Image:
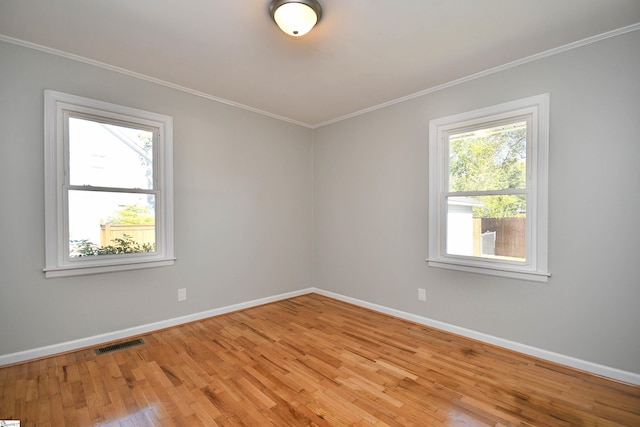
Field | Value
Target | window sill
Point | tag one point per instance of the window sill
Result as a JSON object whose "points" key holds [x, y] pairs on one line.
{"points": [[80, 270], [533, 276]]}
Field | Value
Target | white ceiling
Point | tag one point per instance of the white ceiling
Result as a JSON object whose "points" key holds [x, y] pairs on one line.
{"points": [[362, 54]]}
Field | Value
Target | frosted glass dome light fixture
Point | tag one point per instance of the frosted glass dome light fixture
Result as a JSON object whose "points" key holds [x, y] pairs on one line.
{"points": [[295, 17]]}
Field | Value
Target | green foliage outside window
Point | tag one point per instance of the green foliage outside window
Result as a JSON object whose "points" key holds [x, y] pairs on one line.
{"points": [[132, 214], [121, 245], [492, 162]]}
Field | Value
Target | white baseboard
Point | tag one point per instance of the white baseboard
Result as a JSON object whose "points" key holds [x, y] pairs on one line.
{"points": [[583, 365], [37, 353]]}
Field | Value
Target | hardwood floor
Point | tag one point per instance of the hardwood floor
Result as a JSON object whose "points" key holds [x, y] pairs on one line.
{"points": [[312, 361]]}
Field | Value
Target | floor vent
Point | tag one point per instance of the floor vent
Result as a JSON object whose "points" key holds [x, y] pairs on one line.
{"points": [[119, 346]]}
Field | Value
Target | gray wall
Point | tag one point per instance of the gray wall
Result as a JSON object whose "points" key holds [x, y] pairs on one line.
{"points": [[243, 185], [371, 204]]}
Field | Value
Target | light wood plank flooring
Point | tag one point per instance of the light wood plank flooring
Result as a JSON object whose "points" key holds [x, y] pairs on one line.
{"points": [[306, 361]]}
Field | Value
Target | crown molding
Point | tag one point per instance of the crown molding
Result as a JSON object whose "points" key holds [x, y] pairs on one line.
{"points": [[512, 64]]}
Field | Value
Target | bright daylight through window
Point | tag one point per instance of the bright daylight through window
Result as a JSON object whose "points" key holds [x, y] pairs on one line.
{"points": [[488, 191], [108, 189]]}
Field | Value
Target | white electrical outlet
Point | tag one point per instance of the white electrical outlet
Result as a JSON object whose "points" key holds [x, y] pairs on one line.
{"points": [[422, 294], [182, 294]]}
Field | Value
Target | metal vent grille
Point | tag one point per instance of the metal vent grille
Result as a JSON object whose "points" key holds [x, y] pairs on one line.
{"points": [[119, 346]]}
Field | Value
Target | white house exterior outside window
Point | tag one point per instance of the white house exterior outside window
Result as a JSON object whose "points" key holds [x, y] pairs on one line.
{"points": [[108, 187], [488, 190]]}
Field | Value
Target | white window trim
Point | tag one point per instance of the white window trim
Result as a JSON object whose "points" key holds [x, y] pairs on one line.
{"points": [[57, 264], [536, 266]]}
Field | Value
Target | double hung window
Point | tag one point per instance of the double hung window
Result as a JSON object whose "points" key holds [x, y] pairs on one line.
{"points": [[488, 190], [108, 187]]}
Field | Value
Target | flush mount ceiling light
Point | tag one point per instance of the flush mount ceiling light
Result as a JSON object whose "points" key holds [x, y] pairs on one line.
{"points": [[295, 17]]}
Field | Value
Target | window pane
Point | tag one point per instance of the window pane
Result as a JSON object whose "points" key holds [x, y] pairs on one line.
{"points": [[487, 226], [492, 158], [104, 223], [107, 155]]}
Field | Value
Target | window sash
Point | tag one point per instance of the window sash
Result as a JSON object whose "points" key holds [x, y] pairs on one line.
{"points": [[68, 187], [158, 239], [106, 120], [445, 140], [457, 221], [477, 126]]}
